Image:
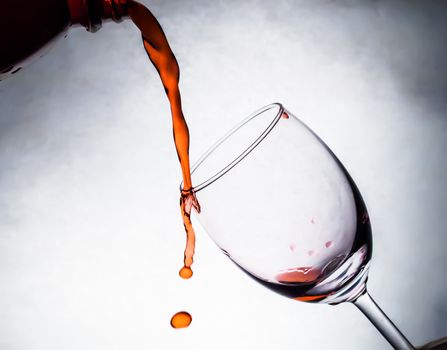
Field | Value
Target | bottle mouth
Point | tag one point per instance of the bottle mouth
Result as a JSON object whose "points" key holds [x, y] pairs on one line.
{"points": [[86, 13], [94, 15], [91, 13], [116, 10]]}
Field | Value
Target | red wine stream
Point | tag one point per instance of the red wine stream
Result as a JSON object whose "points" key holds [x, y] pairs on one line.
{"points": [[160, 54]]}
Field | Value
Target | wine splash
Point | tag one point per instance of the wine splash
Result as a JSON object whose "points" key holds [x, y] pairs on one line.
{"points": [[188, 200], [160, 54]]}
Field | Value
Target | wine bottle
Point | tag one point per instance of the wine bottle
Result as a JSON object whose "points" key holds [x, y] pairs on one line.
{"points": [[28, 28]]}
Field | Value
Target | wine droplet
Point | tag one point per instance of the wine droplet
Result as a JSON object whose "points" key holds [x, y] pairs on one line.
{"points": [[181, 319], [185, 272], [285, 115]]}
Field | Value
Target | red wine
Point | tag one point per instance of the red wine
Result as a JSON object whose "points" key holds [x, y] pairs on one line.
{"points": [[185, 272], [181, 319], [339, 279], [161, 55]]}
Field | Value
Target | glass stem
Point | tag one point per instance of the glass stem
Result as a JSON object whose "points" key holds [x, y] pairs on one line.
{"points": [[372, 311]]}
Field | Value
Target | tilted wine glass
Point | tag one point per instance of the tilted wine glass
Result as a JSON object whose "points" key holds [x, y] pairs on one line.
{"points": [[281, 206]]}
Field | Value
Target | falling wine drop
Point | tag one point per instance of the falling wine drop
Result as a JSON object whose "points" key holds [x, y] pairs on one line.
{"points": [[181, 319], [185, 272]]}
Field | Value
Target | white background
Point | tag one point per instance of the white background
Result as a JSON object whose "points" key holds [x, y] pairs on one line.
{"points": [[90, 233]]}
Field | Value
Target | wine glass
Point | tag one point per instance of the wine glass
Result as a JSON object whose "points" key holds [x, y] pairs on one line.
{"points": [[282, 207]]}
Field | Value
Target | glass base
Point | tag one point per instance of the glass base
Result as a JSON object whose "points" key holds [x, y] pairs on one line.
{"points": [[440, 344]]}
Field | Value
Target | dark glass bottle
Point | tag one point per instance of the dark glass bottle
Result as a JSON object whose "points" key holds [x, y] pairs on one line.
{"points": [[28, 27]]}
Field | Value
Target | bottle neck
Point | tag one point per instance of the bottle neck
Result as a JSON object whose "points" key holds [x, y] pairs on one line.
{"points": [[91, 13]]}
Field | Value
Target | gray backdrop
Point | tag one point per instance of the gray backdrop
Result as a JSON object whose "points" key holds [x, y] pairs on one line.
{"points": [[90, 236]]}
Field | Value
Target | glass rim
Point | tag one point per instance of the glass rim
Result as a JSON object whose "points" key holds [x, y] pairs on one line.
{"points": [[244, 153]]}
